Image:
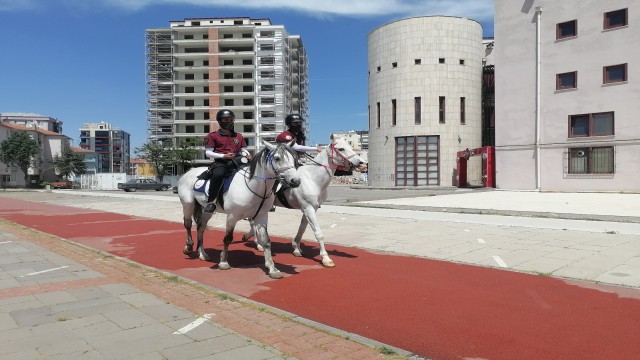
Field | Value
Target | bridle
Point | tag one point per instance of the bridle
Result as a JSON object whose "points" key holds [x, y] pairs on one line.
{"points": [[346, 162], [279, 176]]}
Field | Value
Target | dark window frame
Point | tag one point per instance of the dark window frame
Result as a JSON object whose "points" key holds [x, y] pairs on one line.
{"points": [[393, 112], [378, 115], [607, 71], [611, 15], [442, 102], [417, 108], [561, 77], [463, 110], [591, 125], [567, 25], [592, 163]]}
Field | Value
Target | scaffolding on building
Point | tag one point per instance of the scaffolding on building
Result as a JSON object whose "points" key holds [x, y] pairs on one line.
{"points": [[159, 56]]}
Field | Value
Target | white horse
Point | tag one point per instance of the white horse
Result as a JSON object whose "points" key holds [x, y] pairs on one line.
{"points": [[310, 195], [249, 196]]}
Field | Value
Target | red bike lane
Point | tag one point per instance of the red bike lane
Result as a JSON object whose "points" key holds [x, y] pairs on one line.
{"points": [[434, 309]]}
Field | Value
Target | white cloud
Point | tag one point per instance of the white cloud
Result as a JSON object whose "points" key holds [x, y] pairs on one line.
{"points": [[475, 9]]}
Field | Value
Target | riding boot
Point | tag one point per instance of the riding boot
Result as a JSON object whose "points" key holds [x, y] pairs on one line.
{"points": [[210, 208]]}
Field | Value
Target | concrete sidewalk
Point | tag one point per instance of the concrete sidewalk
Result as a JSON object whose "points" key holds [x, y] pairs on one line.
{"points": [[59, 300]]}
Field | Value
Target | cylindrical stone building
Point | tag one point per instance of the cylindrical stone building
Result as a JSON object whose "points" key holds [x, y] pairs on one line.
{"points": [[424, 100]]}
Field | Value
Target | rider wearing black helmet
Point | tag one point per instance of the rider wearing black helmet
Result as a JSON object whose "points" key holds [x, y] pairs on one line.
{"points": [[222, 146], [295, 123]]}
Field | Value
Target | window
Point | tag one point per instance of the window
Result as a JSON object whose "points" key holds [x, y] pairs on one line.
{"points": [[206, 89], [567, 81], [205, 102], [591, 160], [615, 19], [227, 88], [463, 110], [566, 29], [614, 73], [207, 129], [378, 115], [227, 62], [190, 129], [268, 127], [204, 63], [395, 64], [188, 37], [247, 101], [247, 128], [417, 109], [267, 100], [227, 75], [417, 61], [228, 102], [378, 68], [205, 76], [189, 102], [441, 109], [189, 76], [189, 116], [227, 36], [417, 161], [441, 60], [267, 47], [205, 115], [393, 112], [189, 89], [247, 88], [461, 61], [586, 125], [267, 88], [188, 63]]}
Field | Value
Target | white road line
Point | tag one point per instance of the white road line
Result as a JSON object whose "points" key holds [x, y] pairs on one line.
{"points": [[193, 325], [5, 242], [481, 241], [333, 225], [467, 230], [45, 271], [500, 261]]}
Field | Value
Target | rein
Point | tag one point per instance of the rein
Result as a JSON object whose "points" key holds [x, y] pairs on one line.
{"points": [[265, 196]]}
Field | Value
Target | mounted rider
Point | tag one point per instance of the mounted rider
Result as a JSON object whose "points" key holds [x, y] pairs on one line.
{"points": [[295, 131], [222, 146]]}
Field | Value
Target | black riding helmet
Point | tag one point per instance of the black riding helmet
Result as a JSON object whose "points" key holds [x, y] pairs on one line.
{"points": [[291, 118], [224, 113]]}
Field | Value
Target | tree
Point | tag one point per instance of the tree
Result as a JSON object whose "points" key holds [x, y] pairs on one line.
{"points": [[69, 163], [186, 152], [19, 150], [158, 154]]}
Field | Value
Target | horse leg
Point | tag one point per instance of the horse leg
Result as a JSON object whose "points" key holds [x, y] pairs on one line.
{"points": [[188, 248], [297, 251], [310, 214], [263, 239], [202, 220], [228, 239], [250, 234]]}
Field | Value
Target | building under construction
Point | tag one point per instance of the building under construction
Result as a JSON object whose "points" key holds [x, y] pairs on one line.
{"points": [[200, 65]]}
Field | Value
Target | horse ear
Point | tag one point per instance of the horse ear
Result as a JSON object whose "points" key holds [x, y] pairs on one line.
{"points": [[269, 145], [331, 137]]}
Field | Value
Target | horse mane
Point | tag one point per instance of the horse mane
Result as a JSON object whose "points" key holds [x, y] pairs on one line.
{"points": [[262, 156]]}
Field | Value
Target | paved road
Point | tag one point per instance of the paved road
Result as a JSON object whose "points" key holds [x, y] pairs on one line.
{"points": [[597, 251]]}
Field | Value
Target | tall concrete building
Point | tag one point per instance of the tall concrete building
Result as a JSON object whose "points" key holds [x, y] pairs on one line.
{"points": [[112, 146], [425, 94], [567, 84], [198, 66]]}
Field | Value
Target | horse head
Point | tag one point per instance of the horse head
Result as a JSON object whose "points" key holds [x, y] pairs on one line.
{"points": [[342, 154], [282, 160]]}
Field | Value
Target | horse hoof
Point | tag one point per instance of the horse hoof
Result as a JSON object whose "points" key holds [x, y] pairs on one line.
{"points": [[224, 266], [260, 248], [276, 275], [297, 253], [328, 263], [204, 257], [187, 250]]}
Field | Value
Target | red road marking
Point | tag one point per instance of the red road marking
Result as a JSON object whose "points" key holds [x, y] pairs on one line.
{"points": [[433, 308]]}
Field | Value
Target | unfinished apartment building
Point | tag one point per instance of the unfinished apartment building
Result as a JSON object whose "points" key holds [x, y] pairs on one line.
{"points": [[200, 65]]}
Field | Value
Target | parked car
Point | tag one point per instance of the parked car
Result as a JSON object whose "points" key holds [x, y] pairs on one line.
{"points": [[143, 184], [61, 184]]}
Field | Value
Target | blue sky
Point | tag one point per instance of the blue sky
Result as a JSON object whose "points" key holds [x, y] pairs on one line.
{"points": [[83, 61]]}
